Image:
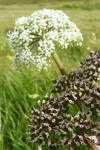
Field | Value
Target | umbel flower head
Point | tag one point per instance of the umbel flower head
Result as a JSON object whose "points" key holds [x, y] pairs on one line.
{"points": [[54, 123], [35, 37]]}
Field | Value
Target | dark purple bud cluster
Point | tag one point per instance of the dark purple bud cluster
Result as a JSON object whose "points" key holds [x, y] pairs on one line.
{"points": [[54, 125], [91, 67]]}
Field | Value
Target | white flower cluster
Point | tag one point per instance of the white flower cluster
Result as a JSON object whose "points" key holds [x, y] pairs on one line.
{"points": [[35, 37]]}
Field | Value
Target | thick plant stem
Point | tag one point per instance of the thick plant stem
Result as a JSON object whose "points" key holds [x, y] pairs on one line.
{"points": [[59, 63], [92, 145]]}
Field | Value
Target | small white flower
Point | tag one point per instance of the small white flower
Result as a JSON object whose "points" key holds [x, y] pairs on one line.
{"points": [[54, 120], [38, 102], [99, 69], [35, 37], [43, 102]]}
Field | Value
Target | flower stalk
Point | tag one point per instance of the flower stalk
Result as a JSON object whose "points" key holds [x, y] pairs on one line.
{"points": [[58, 63], [92, 145]]}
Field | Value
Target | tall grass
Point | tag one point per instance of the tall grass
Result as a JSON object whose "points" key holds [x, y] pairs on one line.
{"points": [[15, 91], [15, 87]]}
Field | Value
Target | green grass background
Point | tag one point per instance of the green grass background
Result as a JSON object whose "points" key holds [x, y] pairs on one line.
{"points": [[16, 87]]}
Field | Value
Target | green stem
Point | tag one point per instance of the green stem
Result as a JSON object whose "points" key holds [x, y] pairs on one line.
{"points": [[59, 63]]}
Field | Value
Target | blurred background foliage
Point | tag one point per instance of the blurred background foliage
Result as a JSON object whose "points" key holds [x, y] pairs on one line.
{"points": [[20, 91]]}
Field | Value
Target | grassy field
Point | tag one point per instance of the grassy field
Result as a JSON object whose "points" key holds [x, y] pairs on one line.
{"points": [[17, 90]]}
